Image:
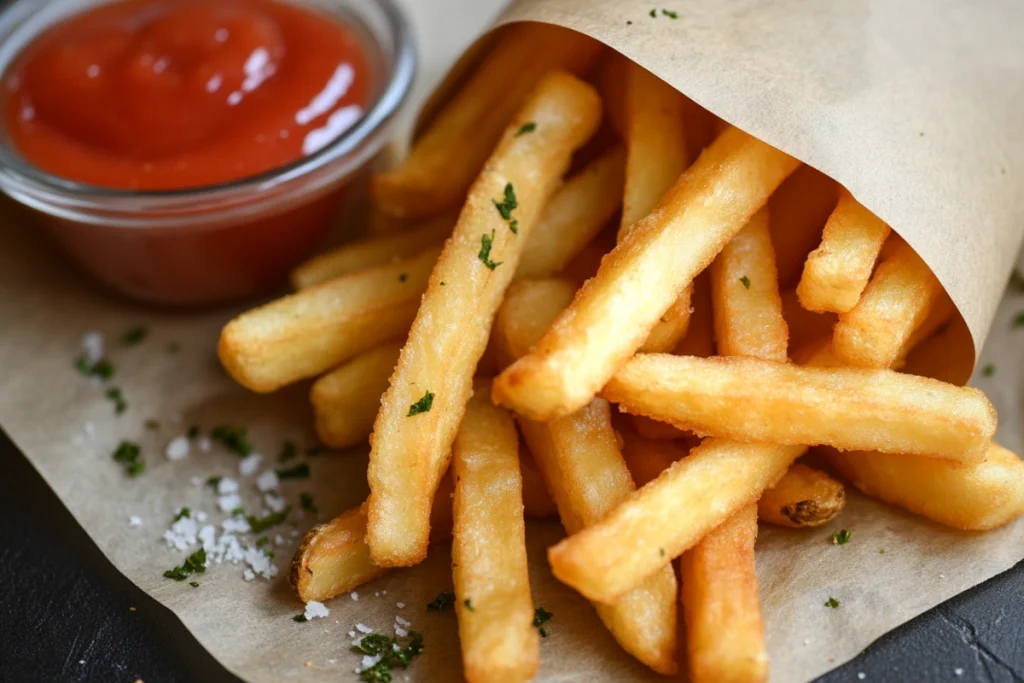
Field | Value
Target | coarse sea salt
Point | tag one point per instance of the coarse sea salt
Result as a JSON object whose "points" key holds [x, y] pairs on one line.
{"points": [[177, 448], [268, 481], [249, 464], [315, 610]]}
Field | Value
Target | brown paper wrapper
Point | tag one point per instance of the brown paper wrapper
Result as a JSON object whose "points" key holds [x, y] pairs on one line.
{"points": [[849, 88]]}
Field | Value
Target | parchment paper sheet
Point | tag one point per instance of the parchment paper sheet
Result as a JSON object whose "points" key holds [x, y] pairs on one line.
{"points": [[46, 306]]}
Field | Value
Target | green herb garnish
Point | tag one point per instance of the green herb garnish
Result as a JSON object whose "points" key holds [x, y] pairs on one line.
{"points": [[234, 438], [832, 602], [151, 425], [540, 617], [297, 472], [506, 206], [988, 370], [238, 511], [670, 14], [881, 551], [129, 454], [841, 537], [258, 524], [194, 584], [102, 368], [307, 502], [443, 601], [1019, 319], [183, 512], [392, 655], [527, 127], [262, 541], [213, 481], [288, 451], [746, 281], [422, 406], [114, 395], [654, 13], [133, 336], [301, 618], [196, 562], [486, 242]]}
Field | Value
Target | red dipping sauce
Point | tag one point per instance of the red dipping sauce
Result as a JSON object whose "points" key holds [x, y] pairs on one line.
{"points": [[144, 103]]}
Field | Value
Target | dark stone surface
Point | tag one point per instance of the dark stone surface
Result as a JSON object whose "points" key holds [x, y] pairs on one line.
{"points": [[62, 602]]}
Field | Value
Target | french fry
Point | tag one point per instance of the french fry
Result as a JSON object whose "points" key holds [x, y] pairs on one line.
{"points": [[947, 356], [312, 331], [377, 251], [333, 557], [799, 209], [447, 157], [494, 607], [582, 465], [805, 326], [656, 156], [346, 399], [648, 458], [700, 333], [639, 280], [836, 273], [643, 533], [895, 303], [848, 408], [804, 497], [574, 216], [939, 316], [421, 410], [973, 497], [745, 295], [721, 606]]}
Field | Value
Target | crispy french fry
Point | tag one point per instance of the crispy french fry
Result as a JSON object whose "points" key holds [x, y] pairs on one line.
{"points": [[848, 408], [582, 465], [421, 410], [721, 606], [346, 399], [836, 273], [639, 280], [648, 458], [974, 497], [947, 356], [376, 251], [745, 295], [700, 334], [805, 326], [333, 557], [312, 331], [895, 303], [450, 153], [640, 536], [803, 497], [574, 216], [939, 316], [799, 209], [489, 571]]}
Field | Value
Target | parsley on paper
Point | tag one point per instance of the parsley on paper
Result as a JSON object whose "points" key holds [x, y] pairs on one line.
{"points": [[194, 584], [832, 602], [213, 481], [507, 206], [1018, 321], [527, 127], [196, 562], [841, 537], [746, 281], [392, 655], [129, 454], [443, 601], [133, 336], [423, 405], [262, 541], [654, 14], [670, 14], [114, 395], [151, 424], [102, 368], [988, 370], [234, 438], [307, 502], [297, 472], [540, 617], [486, 242], [300, 618], [183, 512], [258, 524]]}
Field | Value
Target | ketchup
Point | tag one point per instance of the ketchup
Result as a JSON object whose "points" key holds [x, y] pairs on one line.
{"points": [[175, 94]]}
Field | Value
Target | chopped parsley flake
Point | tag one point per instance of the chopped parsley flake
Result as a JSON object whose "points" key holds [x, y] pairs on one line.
{"points": [[213, 481], [670, 14], [468, 603], [192, 432], [307, 502], [196, 562], [881, 551], [238, 511], [262, 541], [746, 281], [297, 472], [506, 206], [540, 617], [403, 277], [258, 524], [392, 653], [288, 451], [300, 618], [841, 537], [988, 370], [486, 242], [151, 425], [443, 601], [1018, 321], [102, 368], [114, 395], [654, 13], [423, 405], [527, 127], [183, 512], [129, 454], [133, 336], [194, 584], [832, 602], [234, 439]]}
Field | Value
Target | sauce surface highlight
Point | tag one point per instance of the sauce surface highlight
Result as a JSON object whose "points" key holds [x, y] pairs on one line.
{"points": [[176, 94]]}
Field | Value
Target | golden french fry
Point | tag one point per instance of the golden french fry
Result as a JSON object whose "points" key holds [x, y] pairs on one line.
{"points": [[574, 216], [803, 497], [947, 356], [973, 497], [848, 408], [939, 317], [648, 458], [721, 605], [580, 460], [805, 326], [346, 399], [377, 251], [639, 280], [799, 209], [640, 536], [895, 303], [312, 331], [671, 327], [745, 295], [700, 334], [836, 273], [333, 557], [448, 156], [492, 583], [421, 410]]}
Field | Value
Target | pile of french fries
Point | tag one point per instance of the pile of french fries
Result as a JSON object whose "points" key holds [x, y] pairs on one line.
{"points": [[618, 247]]}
